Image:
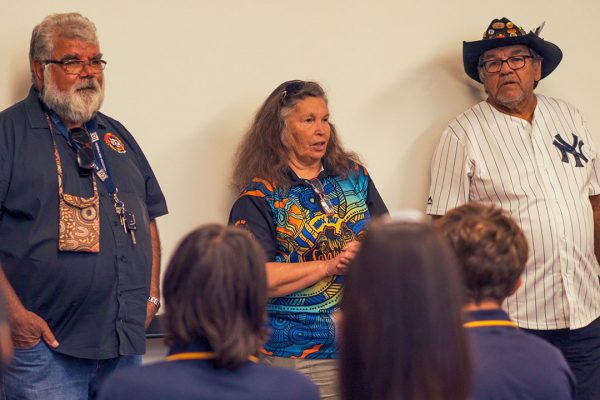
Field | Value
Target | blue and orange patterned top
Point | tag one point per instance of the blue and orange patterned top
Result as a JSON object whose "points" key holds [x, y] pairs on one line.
{"points": [[292, 227]]}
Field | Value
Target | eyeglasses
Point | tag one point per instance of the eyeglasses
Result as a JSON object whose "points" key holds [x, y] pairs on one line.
{"points": [[291, 89], [319, 190], [494, 66], [82, 142], [75, 67]]}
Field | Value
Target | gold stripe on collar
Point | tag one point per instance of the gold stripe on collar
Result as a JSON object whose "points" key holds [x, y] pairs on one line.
{"points": [[480, 324], [199, 355]]}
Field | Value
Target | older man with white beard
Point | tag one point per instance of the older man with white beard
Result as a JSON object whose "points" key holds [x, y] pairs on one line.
{"points": [[79, 247]]}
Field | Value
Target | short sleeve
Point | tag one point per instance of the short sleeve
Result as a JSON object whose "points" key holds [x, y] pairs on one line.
{"points": [[595, 178], [154, 197], [155, 200], [450, 175], [594, 187], [5, 163], [4, 178], [253, 213], [374, 201]]}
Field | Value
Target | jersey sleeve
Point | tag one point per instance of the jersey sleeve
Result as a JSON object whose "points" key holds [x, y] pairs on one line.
{"points": [[253, 213], [594, 187], [450, 175]]}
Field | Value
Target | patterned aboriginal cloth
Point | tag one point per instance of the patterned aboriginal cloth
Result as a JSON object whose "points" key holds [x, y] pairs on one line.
{"points": [[293, 228]]}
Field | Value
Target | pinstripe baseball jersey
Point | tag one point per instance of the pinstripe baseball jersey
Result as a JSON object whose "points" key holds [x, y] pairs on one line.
{"points": [[542, 173]]}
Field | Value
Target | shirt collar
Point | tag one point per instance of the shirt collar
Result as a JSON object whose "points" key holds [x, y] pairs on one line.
{"points": [[485, 315], [199, 345], [296, 180]]}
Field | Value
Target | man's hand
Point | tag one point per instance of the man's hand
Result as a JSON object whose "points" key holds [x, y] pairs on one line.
{"points": [[151, 311], [28, 328], [339, 264]]}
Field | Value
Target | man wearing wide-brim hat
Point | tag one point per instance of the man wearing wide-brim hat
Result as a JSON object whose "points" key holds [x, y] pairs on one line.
{"points": [[533, 156]]}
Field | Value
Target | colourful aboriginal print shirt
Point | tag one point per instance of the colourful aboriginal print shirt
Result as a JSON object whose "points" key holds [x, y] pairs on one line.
{"points": [[292, 228]]}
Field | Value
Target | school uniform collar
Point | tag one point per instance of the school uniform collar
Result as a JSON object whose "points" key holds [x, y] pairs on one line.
{"points": [[485, 315], [199, 345]]}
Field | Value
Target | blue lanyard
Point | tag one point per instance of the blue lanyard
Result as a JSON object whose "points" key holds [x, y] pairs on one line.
{"points": [[126, 218], [100, 166]]}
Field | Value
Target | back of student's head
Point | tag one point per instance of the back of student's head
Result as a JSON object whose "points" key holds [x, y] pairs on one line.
{"points": [[402, 335], [215, 289], [491, 248]]}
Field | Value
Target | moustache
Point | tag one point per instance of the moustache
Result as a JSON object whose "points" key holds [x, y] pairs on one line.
{"points": [[92, 84]]}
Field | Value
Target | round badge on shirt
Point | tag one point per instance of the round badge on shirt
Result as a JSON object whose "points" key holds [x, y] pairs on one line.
{"points": [[114, 142]]}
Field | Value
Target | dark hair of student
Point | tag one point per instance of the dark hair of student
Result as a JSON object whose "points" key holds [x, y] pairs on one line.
{"points": [[491, 247], [401, 331], [215, 289]]}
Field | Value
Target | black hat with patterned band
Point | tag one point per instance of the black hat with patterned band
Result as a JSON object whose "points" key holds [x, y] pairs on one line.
{"points": [[502, 32]]}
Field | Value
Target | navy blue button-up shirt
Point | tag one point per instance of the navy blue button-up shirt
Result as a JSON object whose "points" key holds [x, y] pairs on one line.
{"points": [[95, 304]]}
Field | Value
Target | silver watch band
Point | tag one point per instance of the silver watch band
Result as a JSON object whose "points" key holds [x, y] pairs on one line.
{"points": [[155, 301]]}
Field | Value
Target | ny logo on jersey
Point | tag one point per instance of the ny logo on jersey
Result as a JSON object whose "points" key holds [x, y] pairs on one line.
{"points": [[565, 148]]}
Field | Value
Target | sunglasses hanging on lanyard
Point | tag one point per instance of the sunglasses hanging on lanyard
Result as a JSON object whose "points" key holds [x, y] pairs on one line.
{"points": [[90, 157]]}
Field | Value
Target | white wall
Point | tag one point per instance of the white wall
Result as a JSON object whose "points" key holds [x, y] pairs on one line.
{"points": [[186, 77]]}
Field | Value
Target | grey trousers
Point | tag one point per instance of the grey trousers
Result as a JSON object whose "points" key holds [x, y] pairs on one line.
{"points": [[324, 373]]}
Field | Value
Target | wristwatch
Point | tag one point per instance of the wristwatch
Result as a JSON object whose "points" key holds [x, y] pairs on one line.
{"points": [[155, 301]]}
